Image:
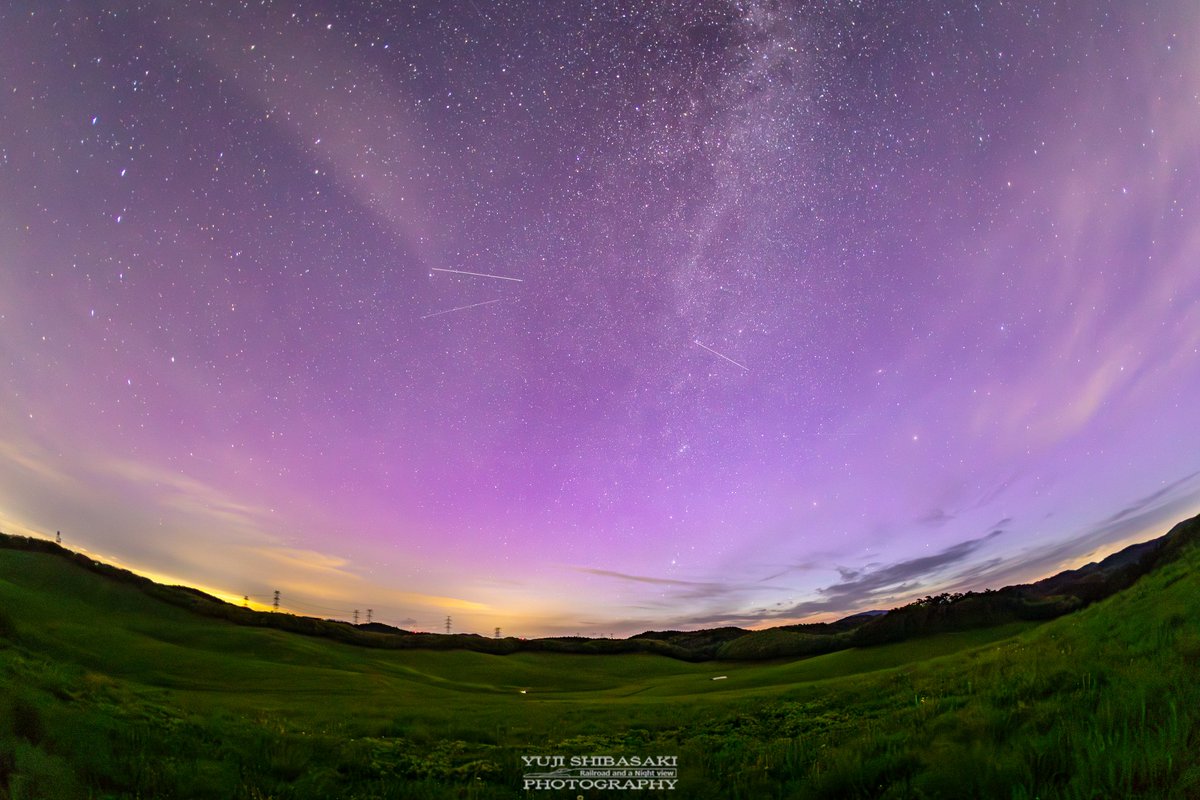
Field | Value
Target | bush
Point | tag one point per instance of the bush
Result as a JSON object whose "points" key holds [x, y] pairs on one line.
{"points": [[8, 629], [27, 721], [777, 643]]}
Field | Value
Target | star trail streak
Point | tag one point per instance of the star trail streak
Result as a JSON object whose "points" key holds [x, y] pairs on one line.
{"points": [[476, 274], [722, 355], [461, 308]]}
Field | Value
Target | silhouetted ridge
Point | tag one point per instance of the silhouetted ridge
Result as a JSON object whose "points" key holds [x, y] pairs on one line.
{"points": [[1044, 599]]}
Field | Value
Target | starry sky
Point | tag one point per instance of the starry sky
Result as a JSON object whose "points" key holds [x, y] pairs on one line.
{"points": [[598, 316]]}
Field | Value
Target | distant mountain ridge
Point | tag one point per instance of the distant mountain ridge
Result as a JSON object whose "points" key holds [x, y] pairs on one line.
{"points": [[1043, 599], [1088, 582]]}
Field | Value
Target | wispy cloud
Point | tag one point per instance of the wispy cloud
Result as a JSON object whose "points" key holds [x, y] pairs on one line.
{"points": [[38, 465], [673, 592], [858, 588], [1144, 518], [180, 525], [861, 588], [936, 518], [177, 491], [1150, 500], [646, 579]]}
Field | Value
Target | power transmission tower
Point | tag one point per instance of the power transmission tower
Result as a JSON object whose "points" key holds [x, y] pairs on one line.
{"points": [[58, 537], [245, 601], [275, 604], [497, 633], [356, 616], [447, 624], [370, 611]]}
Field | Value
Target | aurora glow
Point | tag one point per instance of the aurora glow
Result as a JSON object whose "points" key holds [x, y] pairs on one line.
{"points": [[944, 261]]}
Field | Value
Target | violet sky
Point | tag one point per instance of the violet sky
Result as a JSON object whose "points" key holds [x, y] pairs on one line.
{"points": [[797, 309]]}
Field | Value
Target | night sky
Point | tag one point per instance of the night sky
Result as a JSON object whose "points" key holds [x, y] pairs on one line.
{"points": [[598, 317]]}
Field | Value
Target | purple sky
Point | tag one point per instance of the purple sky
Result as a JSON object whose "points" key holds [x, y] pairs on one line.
{"points": [[810, 307]]}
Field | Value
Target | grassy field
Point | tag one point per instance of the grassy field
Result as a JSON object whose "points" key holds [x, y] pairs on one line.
{"points": [[105, 692]]}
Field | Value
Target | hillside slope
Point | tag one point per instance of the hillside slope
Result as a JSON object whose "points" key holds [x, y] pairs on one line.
{"points": [[107, 692], [1045, 599]]}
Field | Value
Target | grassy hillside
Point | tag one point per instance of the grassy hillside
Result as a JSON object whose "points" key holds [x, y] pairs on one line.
{"points": [[685, 645], [1046, 599], [108, 692]]}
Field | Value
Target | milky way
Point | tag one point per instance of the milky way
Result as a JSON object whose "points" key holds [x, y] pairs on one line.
{"points": [[598, 317]]}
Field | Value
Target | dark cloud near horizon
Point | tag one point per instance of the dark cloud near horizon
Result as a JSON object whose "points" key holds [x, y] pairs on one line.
{"points": [[862, 587], [1157, 508], [859, 587], [1163, 506], [978, 570], [1150, 499]]}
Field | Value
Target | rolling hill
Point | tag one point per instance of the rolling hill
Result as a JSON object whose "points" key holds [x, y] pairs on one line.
{"points": [[112, 688], [1044, 599]]}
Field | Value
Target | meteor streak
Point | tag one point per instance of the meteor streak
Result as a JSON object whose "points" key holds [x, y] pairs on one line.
{"points": [[478, 274], [462, 308], [721, 355]]}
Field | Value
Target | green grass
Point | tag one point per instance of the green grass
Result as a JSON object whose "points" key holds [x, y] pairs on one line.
{"points": [[107, 693]]}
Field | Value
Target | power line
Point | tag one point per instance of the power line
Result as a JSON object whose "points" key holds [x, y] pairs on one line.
{"points": [[305, 607], [296, 604]]}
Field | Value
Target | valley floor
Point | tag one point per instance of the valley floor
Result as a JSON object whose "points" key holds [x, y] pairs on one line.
{"points": [[107, 693]]}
